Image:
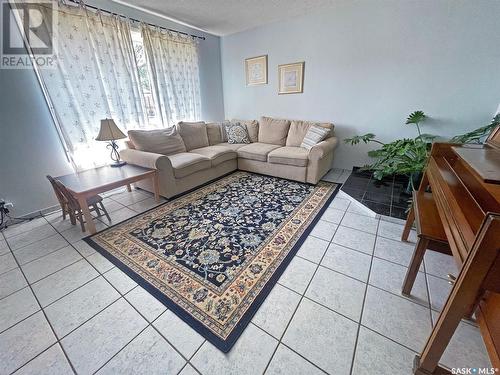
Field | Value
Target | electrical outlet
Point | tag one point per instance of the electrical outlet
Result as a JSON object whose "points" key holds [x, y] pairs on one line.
{"points": [[4, 204]]}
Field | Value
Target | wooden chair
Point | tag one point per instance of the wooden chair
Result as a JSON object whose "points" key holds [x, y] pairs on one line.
{"points": [[59, 195], [71, 206]]}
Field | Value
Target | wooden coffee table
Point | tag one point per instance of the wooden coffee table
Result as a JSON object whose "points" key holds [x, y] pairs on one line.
{"points": [[98, 180]]}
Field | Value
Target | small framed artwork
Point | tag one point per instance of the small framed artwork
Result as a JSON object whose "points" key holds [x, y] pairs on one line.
{"points": [[291, 78], [256, 70]]}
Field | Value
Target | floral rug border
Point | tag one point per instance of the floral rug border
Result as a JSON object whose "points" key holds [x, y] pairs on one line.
{"points": [[226, 344]]}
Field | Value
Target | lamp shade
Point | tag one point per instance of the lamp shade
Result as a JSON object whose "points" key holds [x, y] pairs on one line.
{"points": [[109, 131]]}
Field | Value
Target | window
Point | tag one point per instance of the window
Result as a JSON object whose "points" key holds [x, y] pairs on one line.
{"points": [[145, 78], [92, 80]]}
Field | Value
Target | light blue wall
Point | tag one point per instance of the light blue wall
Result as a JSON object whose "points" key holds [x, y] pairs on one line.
{"points": [[368, 64], [29, 146]]}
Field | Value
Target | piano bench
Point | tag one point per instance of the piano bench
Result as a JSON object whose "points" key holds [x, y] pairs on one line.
{"points": [[430, 234]]}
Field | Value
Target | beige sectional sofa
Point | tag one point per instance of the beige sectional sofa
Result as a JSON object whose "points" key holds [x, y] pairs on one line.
{"points": [[200, 153]]}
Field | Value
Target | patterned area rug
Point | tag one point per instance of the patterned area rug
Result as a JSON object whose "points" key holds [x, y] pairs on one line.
{"points": [[213, 255]]}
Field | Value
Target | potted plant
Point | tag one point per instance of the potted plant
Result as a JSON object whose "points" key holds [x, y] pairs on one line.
{"points": [[478, 135], [406, 156]]}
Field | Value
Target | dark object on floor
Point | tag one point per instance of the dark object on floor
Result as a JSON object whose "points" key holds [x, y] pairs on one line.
{"points": [[385, 197], [213, 255], [70, 206]]}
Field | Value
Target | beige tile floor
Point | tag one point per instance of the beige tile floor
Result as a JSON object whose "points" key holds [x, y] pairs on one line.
{"points": [[337, 309]]}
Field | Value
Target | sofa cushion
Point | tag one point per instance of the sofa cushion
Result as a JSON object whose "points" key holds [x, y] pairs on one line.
{"points": [[186, 163], [216, 154], [256, 151], [232, 146], [273, 131], [296, 156], [158, 141], [252, 129], [236, 132], [298, 130], [130, 144], [194, 134], [314, 135], [214, 133]]}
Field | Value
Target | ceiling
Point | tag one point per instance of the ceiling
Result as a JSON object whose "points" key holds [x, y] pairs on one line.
{"points": [[223, 17]]}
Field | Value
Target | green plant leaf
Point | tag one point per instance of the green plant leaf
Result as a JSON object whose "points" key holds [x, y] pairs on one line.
{"points": [[416, 117], [426, 137], [478, 135], [360, 138]]}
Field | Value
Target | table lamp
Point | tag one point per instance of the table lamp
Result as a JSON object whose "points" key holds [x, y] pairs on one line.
{"points": [[110, 132]]}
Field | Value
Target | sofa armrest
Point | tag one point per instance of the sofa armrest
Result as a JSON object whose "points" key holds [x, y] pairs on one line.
{"points": [[146, 159], [323, 148]]}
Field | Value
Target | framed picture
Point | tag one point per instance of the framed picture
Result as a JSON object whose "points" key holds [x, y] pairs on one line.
{"points": [[291, 78], [256, 70]]}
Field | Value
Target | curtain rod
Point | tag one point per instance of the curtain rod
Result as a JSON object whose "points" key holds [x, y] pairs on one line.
{"points": [[78, 2]]}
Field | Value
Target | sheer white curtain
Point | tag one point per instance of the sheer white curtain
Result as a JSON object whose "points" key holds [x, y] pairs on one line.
{"points": [[96, 77], [173, 61]]}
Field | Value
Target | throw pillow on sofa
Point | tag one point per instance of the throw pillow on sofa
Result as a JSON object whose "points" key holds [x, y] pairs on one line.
{"points": [[314, 135], [299, 128], [236, 132], [273, 131], [161, 141], [252, 129], [194, 134]]}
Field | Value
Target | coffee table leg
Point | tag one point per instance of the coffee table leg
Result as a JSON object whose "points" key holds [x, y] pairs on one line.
{"points": [[156, 185], [89, 222], [129, 188]]}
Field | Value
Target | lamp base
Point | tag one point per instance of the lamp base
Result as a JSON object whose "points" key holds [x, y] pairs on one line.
{"points": [[118, 164]]}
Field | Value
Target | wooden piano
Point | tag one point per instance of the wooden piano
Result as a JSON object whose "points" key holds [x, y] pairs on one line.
{"points": [[462, 185]]}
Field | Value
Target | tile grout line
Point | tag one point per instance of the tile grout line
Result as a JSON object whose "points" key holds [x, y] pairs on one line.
{"points": [[285, 345], [52, 273], [24, 231], [43, 256], [337, 313], [363, 306], [58, 341], [428, 296], [303, 294], [23, 319], [33, 243], [388, 338], [378, 257], [364, 282], [376, 287], [29, 243], [201, 345], [392, 195], [121, 349], [46, 319], [122, 295]]}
